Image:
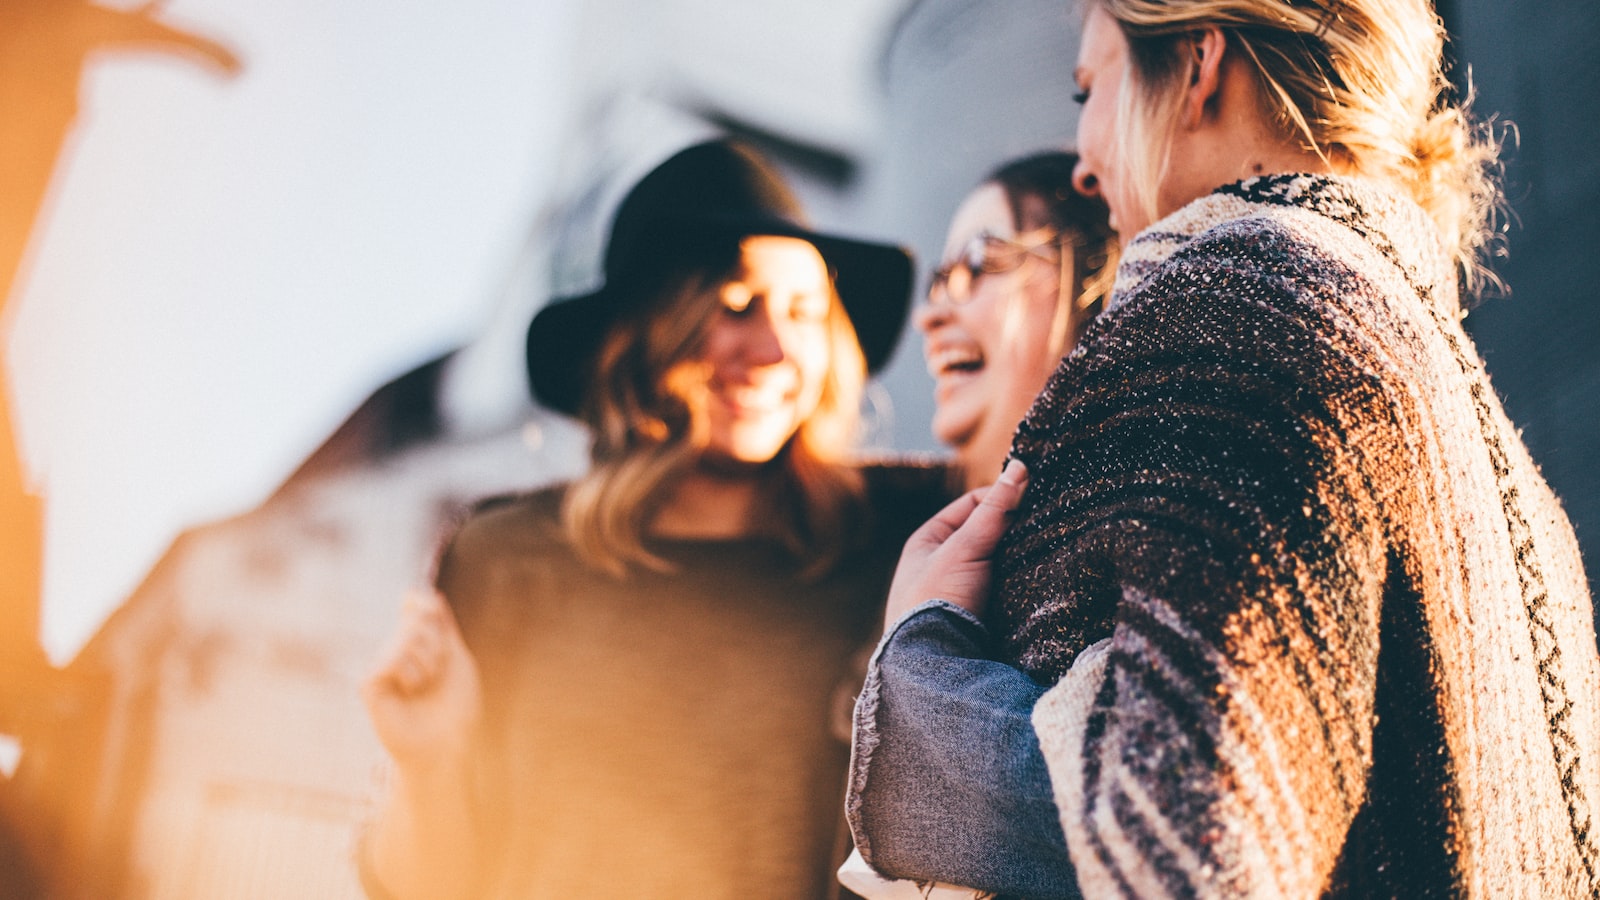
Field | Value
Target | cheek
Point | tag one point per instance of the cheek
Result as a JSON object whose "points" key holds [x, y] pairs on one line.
{"points": [[812, 357], [1034, 353], [1039, 331], [1018, 316], [1096, 136], [1033, 364], [983, 317], [719, 344], [1092, 143], [1089, 132]]}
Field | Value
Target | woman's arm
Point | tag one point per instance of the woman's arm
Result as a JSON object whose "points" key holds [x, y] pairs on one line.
{"points": [[425, 702], [947, 781]]}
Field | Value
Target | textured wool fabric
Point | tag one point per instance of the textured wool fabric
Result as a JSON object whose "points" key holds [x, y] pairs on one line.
{"points": [[668, 734], [1314, 621]]}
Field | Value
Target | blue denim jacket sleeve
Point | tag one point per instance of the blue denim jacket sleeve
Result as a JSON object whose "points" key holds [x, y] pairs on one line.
{"points": [[947, 782]]}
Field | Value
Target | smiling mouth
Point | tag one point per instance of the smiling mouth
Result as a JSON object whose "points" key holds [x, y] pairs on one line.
{"points": [[753, 400], [955, 361]]}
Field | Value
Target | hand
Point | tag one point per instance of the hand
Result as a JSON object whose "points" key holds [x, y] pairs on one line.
{"points": [[423, 695], [948, 558]]}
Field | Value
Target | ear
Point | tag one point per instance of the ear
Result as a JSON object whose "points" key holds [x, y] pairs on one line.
{"points": [[1206, 48]]}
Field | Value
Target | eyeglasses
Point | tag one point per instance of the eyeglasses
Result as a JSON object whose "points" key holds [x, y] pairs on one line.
{"points": [[989, 254]]}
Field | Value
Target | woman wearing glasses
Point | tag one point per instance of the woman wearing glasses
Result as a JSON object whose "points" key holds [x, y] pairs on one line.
{"points": [[1027, 265], [1286, 609], [1028, 261]]}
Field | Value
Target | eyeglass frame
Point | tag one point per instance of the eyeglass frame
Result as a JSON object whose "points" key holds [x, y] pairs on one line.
{"points": [[975, 260]]}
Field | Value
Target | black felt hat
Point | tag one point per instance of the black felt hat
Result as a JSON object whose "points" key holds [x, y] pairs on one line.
{"points": [[718, 190]]}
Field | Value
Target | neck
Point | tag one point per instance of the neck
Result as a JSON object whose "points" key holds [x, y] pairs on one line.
{"points": [[1244, 158], [1232, 141], [981, 458], [711, 504]]}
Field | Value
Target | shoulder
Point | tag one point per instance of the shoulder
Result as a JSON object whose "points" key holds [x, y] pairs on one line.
{"points": [[500, 537], [909, 480], [1281, 252], [509, 517], [903, 492], [1290, 258], [1267, 285]]}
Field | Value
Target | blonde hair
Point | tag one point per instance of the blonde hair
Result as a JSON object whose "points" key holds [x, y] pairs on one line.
{"points": [[1361, 83], [649, 428]]}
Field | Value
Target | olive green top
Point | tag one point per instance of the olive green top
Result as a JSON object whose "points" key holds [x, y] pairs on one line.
{"points": [[668, 735]]}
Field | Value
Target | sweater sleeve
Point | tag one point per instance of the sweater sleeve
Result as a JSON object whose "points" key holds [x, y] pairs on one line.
{"points": [[1199, 574]]}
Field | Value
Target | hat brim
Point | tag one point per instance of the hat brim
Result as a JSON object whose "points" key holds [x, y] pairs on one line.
{"points": [[873, 282]]}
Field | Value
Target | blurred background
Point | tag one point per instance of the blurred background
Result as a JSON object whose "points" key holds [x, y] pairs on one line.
{"points": [[265, 270]]}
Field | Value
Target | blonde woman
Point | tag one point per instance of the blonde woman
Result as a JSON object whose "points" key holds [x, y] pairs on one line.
{"points": [[1282, 607], [628, 686]]}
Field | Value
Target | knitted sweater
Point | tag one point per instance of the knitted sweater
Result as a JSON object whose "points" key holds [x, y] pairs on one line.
{"points": [[1315, 623]]}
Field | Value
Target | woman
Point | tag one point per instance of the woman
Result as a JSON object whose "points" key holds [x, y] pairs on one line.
{"points": [[1286, 610], [641, 696], [1028, 261]]}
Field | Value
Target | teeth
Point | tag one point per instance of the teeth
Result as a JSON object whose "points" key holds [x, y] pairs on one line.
{"points": [[754, 398], [948, 358]]}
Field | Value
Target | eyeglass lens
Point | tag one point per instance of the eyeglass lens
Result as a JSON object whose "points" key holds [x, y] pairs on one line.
{"points": [[981, 255]]}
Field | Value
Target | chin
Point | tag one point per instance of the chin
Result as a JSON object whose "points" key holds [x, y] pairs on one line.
{"points": [[953, 429], [753, 450]]}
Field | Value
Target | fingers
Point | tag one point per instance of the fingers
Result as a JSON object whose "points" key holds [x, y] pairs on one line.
{"points": [[949, 556], [975, 521], [417, 654], [992, 514], [944, 523], [996, 501]]}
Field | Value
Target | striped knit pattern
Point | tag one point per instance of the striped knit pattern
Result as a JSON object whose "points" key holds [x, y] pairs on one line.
{"points": [[1316, 625]]}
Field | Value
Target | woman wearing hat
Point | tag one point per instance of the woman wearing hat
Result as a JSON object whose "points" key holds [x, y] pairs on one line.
{"points": [[628, 685]]}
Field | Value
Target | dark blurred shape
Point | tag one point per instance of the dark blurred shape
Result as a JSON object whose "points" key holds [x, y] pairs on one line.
{"points": [[19, 877], [400, 414]]}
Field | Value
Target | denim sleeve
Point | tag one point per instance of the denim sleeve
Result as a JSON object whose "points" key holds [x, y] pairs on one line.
{"points": [[947, 782]]}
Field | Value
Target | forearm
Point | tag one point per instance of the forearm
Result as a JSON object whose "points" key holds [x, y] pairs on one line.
{"points": [[947, 780], [425, 845]]}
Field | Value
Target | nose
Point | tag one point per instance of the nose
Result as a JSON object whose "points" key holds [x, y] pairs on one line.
{"points": [[929, 315], [763, 345], [1084, 180]]}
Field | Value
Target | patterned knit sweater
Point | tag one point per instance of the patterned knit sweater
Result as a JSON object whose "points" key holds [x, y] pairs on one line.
{"points": [[1315, 623]]}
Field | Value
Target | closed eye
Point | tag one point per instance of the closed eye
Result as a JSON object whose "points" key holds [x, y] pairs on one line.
{"points": [[737, 298]]}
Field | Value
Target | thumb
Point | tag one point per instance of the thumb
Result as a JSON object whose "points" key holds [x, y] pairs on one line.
{"points": [[983, 528]]}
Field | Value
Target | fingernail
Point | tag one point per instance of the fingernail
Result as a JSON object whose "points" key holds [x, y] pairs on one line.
{"points": [[1015, 471]]}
